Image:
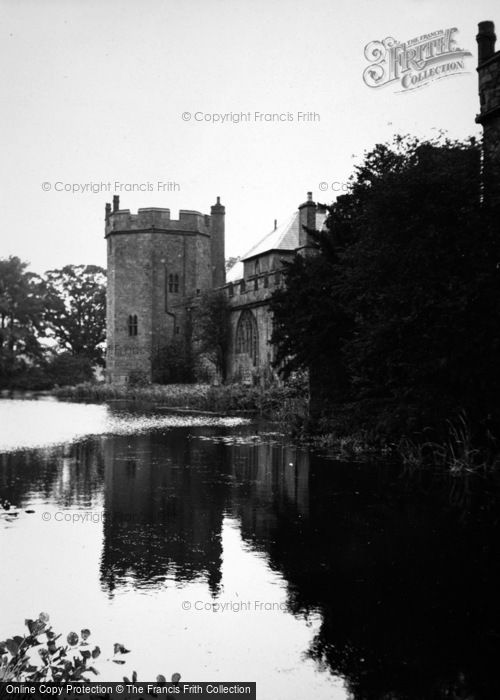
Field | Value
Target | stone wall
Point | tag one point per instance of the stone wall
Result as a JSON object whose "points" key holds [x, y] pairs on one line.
{"points": [[143, 251], [130, 283], [253, 295]]}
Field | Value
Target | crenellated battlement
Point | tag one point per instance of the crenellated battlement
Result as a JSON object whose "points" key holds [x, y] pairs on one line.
{"points": [[123, 221], [154, 218]]}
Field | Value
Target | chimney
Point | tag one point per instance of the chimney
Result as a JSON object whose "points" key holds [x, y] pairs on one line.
{"points": [[488, 71], [307, 218], [485, 41], [116, 202], [107, 211], [275, 224], [217, 243]]}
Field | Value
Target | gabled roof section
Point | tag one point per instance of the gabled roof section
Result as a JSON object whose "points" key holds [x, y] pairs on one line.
{"points": [[284, 237]]}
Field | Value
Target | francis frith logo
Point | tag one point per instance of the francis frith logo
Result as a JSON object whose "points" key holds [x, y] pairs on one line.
{"points": [[414, 63]]}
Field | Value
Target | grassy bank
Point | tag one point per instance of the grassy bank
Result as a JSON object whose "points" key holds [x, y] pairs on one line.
{"points": [[390, 430], [281, 403], [357, 431]]}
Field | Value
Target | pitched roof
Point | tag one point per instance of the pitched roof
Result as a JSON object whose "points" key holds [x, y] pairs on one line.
{"points": [[284, 237]]}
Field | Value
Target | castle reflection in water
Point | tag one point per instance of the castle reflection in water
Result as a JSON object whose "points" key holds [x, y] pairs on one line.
{"points": [[404, 573], [165, 501]]}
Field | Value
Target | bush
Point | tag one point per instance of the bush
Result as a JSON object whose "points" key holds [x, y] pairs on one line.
{"points": [[58, 662], [67, 369], [139, 378], [173, 364]]}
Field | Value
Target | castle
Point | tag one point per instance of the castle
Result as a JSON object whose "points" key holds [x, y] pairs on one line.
{"points": [[157, 266]]}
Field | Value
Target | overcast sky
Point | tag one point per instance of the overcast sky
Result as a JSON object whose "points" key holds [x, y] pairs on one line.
{"points": [[94, 91]]}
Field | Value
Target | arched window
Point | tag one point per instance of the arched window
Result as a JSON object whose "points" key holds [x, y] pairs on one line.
{"points": [[132, 324], [247, 336]]}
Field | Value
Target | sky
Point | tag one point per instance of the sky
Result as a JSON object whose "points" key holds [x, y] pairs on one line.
{"points": [[102, 96]]}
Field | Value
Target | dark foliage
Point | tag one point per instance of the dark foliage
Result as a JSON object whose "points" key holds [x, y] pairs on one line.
{"points": [[21, 319], [68, 306], [173, 363], [211, 329], [66, 369], [59, 661], [401, 302], [76, 309]]}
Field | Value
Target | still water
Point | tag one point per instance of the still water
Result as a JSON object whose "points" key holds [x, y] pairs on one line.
{"points": [[210, 548]]}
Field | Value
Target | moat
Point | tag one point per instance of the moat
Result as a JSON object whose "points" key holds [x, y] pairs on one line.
{"points": [[211, 548]]}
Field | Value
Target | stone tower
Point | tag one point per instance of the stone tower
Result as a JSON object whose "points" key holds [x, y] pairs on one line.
{"points": [[489, 99], [155, 266]]}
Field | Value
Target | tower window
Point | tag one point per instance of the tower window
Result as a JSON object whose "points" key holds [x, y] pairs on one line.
{"points": [[173, 284], [132, 325]]}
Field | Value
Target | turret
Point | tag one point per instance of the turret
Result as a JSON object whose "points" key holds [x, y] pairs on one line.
{"points": [[217, 235]]}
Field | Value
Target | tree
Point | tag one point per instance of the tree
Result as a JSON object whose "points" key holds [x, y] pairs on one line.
{"points": [[21, 318], [211, 329], [76, 309], [231, 262], [421, 277], [404, 293], [310, 328], [173, 363]]}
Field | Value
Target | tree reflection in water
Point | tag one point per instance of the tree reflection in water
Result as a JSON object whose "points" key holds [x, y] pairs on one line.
{"points": [[404, 573], [404, 570]]}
